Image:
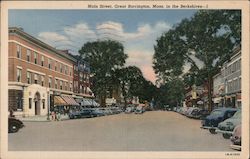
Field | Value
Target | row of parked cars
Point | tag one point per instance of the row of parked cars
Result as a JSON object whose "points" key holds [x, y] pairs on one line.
{"points": [[226, 121], [81, 112], [192, 112]]}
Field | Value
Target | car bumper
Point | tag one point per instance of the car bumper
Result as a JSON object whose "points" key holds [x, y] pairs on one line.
{"points": [[207, 127], [224, 131], [235, 147]]}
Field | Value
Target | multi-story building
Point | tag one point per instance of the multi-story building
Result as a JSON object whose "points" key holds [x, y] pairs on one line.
{"points": [[39, 75], [231, 72]]}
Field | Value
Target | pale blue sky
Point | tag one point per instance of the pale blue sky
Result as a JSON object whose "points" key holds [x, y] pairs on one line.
{"points": [[70, 29]]}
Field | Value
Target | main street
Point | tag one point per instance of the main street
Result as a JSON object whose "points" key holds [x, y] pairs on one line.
{"points": [[151, 131]]}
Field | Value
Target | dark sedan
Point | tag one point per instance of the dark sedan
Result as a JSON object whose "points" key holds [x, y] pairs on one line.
{"points": [[14, 125], [217, 116]]}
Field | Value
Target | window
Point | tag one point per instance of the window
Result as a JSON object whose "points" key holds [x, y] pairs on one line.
{"points": [[35, 57], [56, 83], [19, 74], [49, 63], [43, 103], [42, 80], [81, 76], [66, 86], [36, 78], [28, 78], [50, 80], [61, 70], [65, 69], [240, 82], [30, 103], [61, 85], [56, 66], [42, 61], [19, 51], [70, 87], [80, 88], [70, 72], [28, 55]]}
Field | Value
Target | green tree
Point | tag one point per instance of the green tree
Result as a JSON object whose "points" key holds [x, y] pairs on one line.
{"points": [[209, 36], [104, 57], [130, 79]]}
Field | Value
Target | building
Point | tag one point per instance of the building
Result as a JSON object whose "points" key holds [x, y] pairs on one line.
{"points": [[39, 75], [231, 73]]}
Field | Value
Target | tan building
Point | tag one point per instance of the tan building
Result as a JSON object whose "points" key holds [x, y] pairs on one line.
{"points": [[37, 73]]}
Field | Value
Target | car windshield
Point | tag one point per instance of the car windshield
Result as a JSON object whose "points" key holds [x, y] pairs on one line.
{"points": [[237, 114], [217, 112]]}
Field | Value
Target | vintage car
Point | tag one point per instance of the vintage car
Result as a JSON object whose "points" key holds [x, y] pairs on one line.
{"points": [[218, 115], [236, 138], [139, 110], [14, 125], [191, 111], [129, 110], [199, 113], [73, 114], [226, 127]]}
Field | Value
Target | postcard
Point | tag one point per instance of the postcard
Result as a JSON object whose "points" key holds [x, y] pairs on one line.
{"points": [[124, 79]]}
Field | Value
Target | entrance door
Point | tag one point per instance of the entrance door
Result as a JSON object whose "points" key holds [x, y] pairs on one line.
{"points": [[37, 104]]}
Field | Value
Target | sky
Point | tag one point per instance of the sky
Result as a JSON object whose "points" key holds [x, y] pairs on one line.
{"points": [[137, 30]]}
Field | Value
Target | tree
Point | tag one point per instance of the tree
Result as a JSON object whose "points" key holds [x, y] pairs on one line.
{"points": [[104, 57], [209, 37], [130, 79]]}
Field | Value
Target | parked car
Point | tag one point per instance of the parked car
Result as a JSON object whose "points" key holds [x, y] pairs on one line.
{"points": [[74, 113], [236, 138], [199, 113], [226, 127], [191, 111], [129, 110], [217, 116], [184, 110], [139, 110], [14, 125], [86, 113], [97, 112]]}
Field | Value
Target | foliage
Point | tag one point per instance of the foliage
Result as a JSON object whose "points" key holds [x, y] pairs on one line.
{"points": [[104, 57]]}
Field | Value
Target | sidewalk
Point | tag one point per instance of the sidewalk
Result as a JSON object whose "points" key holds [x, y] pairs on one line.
{"points": [[39, 118]]}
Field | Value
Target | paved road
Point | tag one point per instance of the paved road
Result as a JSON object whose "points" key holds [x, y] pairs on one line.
{"points": [[151, 131]]}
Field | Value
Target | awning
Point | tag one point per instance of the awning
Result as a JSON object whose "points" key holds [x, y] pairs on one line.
{"points": [[69, 100], [58, 101]]}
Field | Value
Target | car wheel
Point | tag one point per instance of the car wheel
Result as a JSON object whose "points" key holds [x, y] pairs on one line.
{"points": [[212, 131], [226, 136], [13, 128]]}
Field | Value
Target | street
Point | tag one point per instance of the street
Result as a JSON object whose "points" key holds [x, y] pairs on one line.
{"points": [[151, 131]]}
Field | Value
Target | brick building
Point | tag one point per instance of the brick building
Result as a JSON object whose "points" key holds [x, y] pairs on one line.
{"points": [[39, 75]]}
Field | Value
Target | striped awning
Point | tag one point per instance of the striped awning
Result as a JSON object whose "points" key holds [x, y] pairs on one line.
{"points": [[58, 101], [70, 101]]}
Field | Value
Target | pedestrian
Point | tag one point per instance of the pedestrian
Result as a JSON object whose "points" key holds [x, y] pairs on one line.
{"points": [[53, 115]]}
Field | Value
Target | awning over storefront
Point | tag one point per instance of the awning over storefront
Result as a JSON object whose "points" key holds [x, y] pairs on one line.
{"points": [[87, 102], [58, 101], [70, 101]]}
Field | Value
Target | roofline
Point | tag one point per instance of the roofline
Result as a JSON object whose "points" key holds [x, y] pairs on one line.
{"points": [[18, 31]]}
